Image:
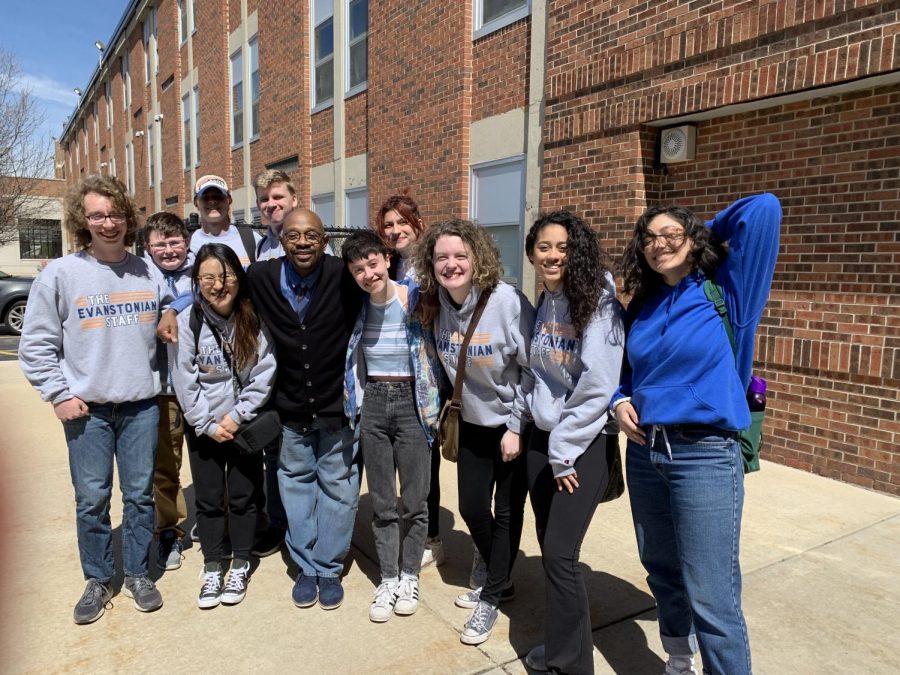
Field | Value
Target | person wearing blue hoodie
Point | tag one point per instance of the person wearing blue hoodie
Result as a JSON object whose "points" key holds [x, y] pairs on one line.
{"points": [[681, 403], [576, 358]]}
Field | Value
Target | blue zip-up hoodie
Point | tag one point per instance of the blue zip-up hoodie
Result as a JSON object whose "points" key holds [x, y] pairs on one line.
{"points": [[679, 367]]}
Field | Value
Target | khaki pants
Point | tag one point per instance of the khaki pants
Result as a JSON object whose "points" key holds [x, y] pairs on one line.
{"points": [[170, 506]]}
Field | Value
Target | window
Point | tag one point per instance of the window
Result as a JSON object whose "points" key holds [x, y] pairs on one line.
{"points": [[498, 195], [186, 129], [193, 17], [182, 22], [109, 115], [95, 110], [357, 45], [196, 126], [40, 239], [491, 15], [151, 168], [129, 166], [323, 55], [112, 167], [254, 87], [237, 98], [126, 82], [323, 205], [84, 136], [147, 29], [356, 208]]}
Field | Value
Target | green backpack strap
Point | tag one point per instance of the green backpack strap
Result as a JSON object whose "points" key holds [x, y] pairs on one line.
{"points": [[714, 294]]}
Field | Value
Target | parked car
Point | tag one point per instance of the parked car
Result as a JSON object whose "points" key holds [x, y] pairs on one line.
{"points": [[13, 296]]}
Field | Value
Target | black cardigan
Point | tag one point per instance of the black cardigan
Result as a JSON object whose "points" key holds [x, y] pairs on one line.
{"points": [[310, 356]]}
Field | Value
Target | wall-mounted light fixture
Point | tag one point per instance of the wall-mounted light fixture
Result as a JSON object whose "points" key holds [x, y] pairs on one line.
{"points": [[77, 91], [158, 118], [138, 134]]}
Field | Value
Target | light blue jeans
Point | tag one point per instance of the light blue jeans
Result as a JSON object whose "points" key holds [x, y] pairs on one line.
{"points": [[125, 433], [687, 492], [318, 478]]}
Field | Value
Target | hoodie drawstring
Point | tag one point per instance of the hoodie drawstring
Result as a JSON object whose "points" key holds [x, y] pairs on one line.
{"points": [[653, 430]]}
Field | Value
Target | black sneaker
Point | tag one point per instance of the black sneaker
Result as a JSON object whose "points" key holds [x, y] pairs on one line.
{"points": [[236, 583], [267, 542], [146, 596], [93, 602], [211, 591]]}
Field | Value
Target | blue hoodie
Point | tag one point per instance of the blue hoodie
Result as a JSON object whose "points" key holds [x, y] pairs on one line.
{"points": [[680, 368]]}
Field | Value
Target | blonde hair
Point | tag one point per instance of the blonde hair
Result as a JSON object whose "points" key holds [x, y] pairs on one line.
{"points": [[269, 177]]}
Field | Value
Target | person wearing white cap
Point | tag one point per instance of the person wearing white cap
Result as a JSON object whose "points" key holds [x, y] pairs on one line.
{"points": [[213, 201]]}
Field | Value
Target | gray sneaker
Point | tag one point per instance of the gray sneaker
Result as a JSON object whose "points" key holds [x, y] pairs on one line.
{"points": [[169, 554], [481, 622], [93, 602], [144, 593], [469, 599]]}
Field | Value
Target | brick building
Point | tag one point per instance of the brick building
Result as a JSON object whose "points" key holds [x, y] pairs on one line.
{"points": [[495, 109]]}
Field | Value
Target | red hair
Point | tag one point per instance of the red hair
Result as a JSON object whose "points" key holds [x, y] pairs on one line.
{"points": [[407, 207]]}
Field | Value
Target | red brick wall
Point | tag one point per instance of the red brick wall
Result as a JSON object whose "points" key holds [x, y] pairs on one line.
{"points": [[322, 137], [356, 137], [168, 131], [500, 70]]}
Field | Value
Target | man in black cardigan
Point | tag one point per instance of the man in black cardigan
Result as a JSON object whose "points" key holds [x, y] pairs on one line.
{"points": [[309, 303]]}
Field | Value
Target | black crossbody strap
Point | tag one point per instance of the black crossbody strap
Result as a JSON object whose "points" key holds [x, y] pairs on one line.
{"points": [[461, 360]]}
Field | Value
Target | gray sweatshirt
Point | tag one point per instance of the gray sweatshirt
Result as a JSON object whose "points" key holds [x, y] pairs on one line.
{"points": [[179, 282], [203, 381], [497, 372], [574, 378], [90, 330]]}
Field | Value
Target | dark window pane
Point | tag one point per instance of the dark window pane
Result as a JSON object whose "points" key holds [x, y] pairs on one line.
{"points": [[358, 63], [254, 119], [324, 82], [238, 128], [496, 8], [324, 39], [359, 17]]}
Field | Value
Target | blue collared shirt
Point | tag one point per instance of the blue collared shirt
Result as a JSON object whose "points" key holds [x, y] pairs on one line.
{"points": [[298, 290]]}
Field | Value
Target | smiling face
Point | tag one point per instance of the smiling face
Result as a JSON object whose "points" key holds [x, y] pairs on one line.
{"points": [[276, 202], [213, 206], [218, 285], [372, 275], [399, 232], [304, 240], [168, 252], [108, 232], [549, 256], [667, 249], [453, 266]]}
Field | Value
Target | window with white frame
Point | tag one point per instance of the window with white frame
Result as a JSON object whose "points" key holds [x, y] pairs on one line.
{"points": [[237, 98], [126, 81], [186, 129], [148, 28], [357, 45], [108, 97], [129, 166], [182, 22], [95, 109], [253, 48], [323, 53], [84, 136], [356, 208], [192, 17], [196, 126], [323, 206], [491, 15], [112, 167], [151, 164], [497, 204]]}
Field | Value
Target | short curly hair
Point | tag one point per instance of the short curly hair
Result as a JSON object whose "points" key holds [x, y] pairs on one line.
{"points": [[486, 266], [105, 186]]}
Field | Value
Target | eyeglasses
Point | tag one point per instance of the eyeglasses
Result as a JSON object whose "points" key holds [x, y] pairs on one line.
{"points": [[226, 279], [295, 237], [668, 239], [100, 218], [175, 244]]}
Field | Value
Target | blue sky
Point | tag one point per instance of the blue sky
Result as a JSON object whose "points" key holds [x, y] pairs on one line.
{"points": [[53, 41]]}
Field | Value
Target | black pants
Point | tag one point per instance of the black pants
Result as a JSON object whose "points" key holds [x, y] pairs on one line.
{"points": [[482, 475], [562, 519], [434, 492], [218, 469]]}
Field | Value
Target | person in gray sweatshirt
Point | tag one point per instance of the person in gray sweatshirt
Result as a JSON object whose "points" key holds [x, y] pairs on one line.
{"points": [[572, 445], [89, 347], [456, 263], [223, 374], [166, 240]]}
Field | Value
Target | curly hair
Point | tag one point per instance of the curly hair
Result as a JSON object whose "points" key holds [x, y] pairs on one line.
{"points": [[585, 265], [707, 251], [105, 186], [246, 322], [486, 266]]}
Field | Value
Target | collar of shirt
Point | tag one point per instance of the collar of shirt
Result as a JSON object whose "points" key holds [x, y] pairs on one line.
{"points": [[292, 283]]}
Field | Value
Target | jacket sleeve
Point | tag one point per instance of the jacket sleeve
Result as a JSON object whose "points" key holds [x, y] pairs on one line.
{"points": [[40, 346], [186, 381], [584, 414], [520, 330], [258, 383]]}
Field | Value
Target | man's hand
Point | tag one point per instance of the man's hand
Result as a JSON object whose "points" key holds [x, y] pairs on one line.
{"points": [[510, 446], [167, 328], [71, 409]]}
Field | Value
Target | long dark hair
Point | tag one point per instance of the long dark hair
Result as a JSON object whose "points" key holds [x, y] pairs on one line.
{"points": [[583, 281], [707, 252], [246, 323]]}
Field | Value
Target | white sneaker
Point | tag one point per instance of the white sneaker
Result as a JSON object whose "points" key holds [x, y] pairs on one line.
{"points": [[383, 601], [407, 596], [211, 591], [433, 553], [469, 599], [478, 576], [236, 584], [680, 665]]}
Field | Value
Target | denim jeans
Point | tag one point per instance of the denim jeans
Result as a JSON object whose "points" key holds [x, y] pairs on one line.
{"points": [[318, 478], [392, 441], [687, 508], [124, 433]]}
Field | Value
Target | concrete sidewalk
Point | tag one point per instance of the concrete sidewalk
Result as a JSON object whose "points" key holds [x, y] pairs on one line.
{"points": [[821, 587]]}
